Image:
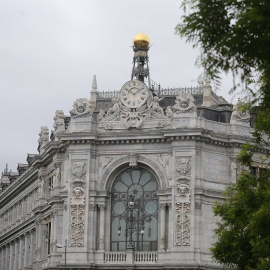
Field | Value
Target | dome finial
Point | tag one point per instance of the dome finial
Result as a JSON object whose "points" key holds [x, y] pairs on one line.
{"points": [[141, 40]]}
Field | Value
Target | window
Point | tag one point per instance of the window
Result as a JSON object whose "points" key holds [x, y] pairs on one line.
{"points": [[48, 238], [142, 185]]}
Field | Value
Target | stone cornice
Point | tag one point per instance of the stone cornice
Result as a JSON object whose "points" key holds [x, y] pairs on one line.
{"points": [[213, 194]]}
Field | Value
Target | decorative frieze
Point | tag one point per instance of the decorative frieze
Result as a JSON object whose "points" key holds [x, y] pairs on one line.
{"points": [[78, 204]]}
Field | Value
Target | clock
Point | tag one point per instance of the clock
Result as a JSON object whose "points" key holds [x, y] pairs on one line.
{"points": [[134, 94]]}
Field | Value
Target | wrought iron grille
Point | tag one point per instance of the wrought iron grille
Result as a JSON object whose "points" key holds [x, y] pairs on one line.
{"points": [[142, 186]]}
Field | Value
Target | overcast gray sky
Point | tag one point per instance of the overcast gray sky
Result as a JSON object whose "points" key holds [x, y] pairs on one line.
{"points": [[50, 50]]}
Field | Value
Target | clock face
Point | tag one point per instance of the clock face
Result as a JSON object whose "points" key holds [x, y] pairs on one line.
{"points": [[134, 94]]}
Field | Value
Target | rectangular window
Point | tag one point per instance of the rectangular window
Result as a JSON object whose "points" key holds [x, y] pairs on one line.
{"points": [[48, 238]]}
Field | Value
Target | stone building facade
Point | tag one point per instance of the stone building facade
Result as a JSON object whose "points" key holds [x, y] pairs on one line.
{"points": [[127, 181]]}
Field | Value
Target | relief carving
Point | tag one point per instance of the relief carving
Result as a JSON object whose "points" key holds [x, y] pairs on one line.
{"points": [[133, 160], [120, 116], [77, 225], [184, 103], [163, 159], [183, 168], [81, 108], [182, 213], [79, 171], [104, 161], [78, 195], [182, 226], [182, 190], [78, 204]]}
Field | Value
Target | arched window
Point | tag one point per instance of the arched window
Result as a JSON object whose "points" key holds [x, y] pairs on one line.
{"points": [[140, 219]]}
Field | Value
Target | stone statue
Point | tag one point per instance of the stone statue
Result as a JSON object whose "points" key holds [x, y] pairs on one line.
{"points": [[184, 103], [239, 116]]}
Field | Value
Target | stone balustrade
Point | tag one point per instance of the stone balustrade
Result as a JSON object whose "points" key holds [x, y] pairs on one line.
{"points": [[139, 257]]}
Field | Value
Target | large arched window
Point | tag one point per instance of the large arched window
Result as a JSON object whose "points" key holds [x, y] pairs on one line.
{"points": [[142, 186]]}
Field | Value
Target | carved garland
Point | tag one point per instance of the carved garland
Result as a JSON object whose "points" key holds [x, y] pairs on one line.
{"points": [[182, 202], [78, 204]]}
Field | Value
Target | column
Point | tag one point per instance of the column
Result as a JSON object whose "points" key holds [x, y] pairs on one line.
{"points": [[170, 227], [16, 255], [21, 252], [2, 258], [38, 238], [54, 222], [102, 227], [162, 234], [32, 247], [11, 256], [7, 257], [26, 250], [92, 221]]}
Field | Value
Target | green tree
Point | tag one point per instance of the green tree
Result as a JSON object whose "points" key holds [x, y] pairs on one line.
{"points": [[234, 36], [243, 233]]}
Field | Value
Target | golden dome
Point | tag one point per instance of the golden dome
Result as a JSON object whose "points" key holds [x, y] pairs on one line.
{"points": [[141, 40]]}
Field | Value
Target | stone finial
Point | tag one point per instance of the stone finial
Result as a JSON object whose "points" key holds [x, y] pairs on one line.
{"points": [[59, 122], [93, 98], [207, 94], [43, 139], [94, 84]]}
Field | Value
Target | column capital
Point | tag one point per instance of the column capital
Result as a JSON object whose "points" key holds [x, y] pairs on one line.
{"points": [[162, 205], [102, 206], [92, 207]]}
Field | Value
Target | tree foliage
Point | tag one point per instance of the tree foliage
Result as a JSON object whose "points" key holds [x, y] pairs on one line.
{"points": [[243, 233], [234, 35]]}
